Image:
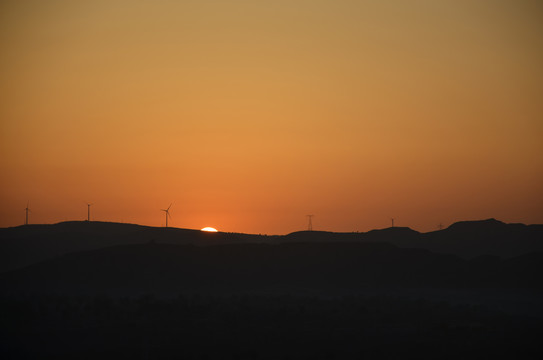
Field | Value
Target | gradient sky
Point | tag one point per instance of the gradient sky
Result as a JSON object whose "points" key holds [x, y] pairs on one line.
{"points": [[248, 115]]}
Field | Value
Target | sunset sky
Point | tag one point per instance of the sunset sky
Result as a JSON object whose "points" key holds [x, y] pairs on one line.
{"points": [[249, 115]]}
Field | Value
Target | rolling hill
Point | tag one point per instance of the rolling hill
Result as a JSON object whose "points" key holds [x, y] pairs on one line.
{"points": [[25, 245]]}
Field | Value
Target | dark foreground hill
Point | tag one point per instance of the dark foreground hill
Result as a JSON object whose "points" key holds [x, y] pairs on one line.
{"points": [[25, 245], [264, 301], [313, 300]]}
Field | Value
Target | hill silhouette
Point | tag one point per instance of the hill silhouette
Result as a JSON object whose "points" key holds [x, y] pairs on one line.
{"points": [[109, 291], [25, 245], [467, 239]]}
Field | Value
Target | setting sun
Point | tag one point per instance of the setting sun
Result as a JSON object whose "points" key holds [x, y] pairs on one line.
{"points": [[210, 229]]}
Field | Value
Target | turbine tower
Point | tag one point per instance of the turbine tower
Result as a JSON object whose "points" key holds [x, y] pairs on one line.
{"points": [[310, 224], [167, 211], [392, 219], [27, 210], [88, 211]]}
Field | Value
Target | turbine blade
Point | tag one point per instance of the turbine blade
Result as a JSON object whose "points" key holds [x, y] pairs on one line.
{"points": [[170, 206]]}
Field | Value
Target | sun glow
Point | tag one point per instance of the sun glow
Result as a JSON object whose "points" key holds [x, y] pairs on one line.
{"points": [[210, 229]]}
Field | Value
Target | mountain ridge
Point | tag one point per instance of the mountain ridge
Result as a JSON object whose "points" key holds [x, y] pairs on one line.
{"points": [[24, 245]]}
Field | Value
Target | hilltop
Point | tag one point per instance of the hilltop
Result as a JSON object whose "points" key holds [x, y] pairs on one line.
{"points": [[24, 245]]}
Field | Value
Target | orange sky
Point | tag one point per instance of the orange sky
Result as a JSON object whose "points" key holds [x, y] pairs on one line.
{"points": [[248, 115]]}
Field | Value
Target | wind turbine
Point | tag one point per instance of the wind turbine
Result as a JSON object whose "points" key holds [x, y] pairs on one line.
{"points": [[310, 223], [27, 210], [167, 211], [88, 211]]}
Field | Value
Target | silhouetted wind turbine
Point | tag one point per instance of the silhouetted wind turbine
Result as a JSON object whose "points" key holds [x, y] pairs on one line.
{"points": [[392, 219], [27, 210], [167, 211], [310, 224], [88, 211]]}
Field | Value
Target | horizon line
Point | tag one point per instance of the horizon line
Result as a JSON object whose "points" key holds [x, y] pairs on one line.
{"points": [[261, 234]]}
